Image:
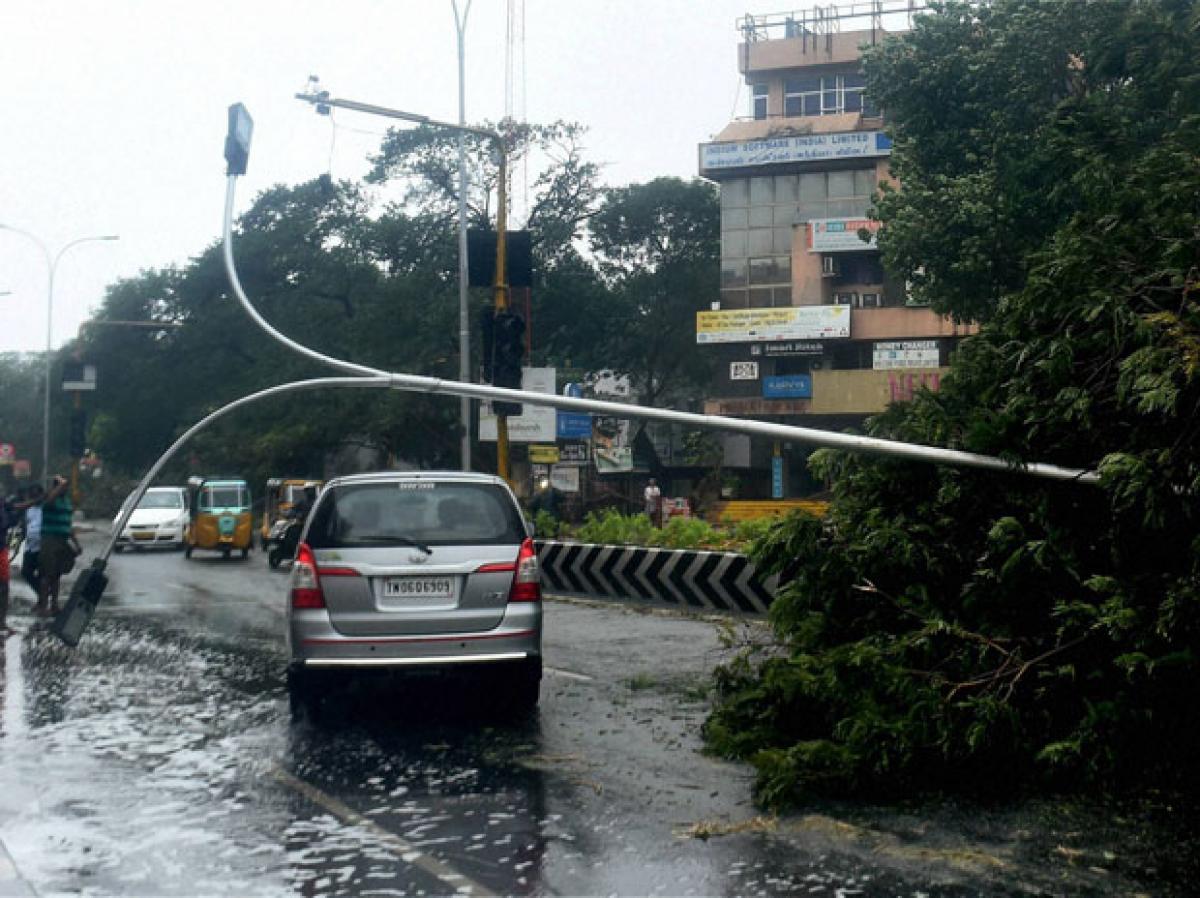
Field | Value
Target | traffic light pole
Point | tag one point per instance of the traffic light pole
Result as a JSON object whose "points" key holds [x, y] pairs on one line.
{"points": [[500, 294], [323, 103]]}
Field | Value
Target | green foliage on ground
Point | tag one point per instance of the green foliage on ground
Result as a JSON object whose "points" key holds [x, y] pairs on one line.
{"points": [[609, 526], [948, 628]]}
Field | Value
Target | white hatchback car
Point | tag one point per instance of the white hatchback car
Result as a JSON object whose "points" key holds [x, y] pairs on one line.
{"points": [[158, 520], [416, 571]]}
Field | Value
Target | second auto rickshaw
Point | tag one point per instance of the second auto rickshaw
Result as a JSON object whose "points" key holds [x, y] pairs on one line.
{"points": [[219, 516]]}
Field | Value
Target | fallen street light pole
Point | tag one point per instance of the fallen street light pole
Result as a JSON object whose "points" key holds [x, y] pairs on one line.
{"points": [[89, 586], [237, 150], [786, 432]]}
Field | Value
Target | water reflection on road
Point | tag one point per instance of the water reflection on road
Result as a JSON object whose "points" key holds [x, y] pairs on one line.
{"points": [[159, 757]]}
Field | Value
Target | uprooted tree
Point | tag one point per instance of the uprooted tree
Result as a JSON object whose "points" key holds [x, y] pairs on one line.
{"points": [[952, 628]]}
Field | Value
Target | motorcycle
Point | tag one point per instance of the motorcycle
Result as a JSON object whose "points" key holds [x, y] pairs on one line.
{"points": [[282, 540]]}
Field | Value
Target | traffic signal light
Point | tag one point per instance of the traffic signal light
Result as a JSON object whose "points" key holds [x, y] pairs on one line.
{"points": [[508, 351], [78, 441]]}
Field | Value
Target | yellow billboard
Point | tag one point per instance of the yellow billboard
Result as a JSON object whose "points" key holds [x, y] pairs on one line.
{"points": [[769, 325]]}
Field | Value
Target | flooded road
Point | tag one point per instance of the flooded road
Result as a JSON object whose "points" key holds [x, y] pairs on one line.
{"points": [[160, 758]]}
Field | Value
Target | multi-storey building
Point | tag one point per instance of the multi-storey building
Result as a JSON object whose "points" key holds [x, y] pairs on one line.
{"points": [[810, 329]]}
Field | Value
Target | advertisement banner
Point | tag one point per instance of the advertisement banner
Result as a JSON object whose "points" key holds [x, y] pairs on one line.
{"points": [[564, 479], [545, 455], [537, 424], [799, 148], [743, 370], [892, 354], [840, 235], [611, 446], [575, 453], [771, 325], [8, 453]]}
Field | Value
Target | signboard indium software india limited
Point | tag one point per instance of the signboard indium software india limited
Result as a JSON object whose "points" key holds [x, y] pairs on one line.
{"points": [[798, 148], [771, 325]]}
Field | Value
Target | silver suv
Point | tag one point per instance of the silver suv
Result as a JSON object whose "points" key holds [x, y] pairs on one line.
{"points": [[432, 570]]}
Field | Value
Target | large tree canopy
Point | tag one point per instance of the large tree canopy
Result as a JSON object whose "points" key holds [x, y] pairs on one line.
{"points": [[947, 626], [337, 268]]}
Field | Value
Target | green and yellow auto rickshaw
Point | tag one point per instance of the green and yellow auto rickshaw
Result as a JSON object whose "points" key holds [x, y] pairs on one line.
{"points": [[283, 494], [219, 516]]}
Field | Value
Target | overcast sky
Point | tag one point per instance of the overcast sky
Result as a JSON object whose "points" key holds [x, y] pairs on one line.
{"points": [[114, 111]]}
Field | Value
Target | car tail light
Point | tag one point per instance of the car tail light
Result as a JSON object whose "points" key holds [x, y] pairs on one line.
{"points": [[306, 585], [527, 581]]}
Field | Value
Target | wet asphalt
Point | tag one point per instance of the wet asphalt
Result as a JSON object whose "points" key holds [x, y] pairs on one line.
{"points": [[160, 758]]}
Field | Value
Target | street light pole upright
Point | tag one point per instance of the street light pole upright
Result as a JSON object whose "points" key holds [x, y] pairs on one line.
{"points": [[464, 330], [51, 268]]}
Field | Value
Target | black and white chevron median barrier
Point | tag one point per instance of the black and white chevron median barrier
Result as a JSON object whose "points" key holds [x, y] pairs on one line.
{"points": [[681, 578]]}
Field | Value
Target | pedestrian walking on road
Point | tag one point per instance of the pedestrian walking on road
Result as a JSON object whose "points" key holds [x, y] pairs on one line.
{"points": [[30, 570], [56, 556], [652, 501]]}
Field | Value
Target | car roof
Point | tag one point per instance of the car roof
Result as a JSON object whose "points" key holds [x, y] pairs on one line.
{"points": [[165, 489], [408, 476]]}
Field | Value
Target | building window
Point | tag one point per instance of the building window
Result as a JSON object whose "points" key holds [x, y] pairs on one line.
{"points": [[827, 95], [836, 194], [758, 101]]}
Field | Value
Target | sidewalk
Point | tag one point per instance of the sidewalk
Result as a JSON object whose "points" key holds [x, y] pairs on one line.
{"points": [[12, 883]]}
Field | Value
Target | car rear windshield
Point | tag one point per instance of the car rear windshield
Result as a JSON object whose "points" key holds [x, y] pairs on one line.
{"points": [[161, 500], [415, 511]]}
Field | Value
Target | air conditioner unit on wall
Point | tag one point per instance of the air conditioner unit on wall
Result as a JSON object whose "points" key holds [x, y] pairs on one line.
{"points": [[830, 267]]}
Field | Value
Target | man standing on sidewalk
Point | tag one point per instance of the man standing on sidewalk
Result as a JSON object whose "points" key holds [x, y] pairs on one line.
{"points": [[56, 556]]}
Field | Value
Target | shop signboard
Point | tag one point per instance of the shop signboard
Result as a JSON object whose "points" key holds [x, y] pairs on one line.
{"points": [[776, 476], [573, 425], [537, 423], [797, 148], [544, 455], [788, 386], [892, 354], [791, 323], [840, 235], [788, 347]]}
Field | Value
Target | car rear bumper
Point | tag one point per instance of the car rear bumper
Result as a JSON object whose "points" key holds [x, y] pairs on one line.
{"points": [[313, 642]]}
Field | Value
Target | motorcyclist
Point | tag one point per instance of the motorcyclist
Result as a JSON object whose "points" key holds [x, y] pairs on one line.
{"points": [[300, 510]]}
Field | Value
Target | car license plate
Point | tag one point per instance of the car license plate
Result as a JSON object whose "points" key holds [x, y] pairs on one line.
{"points": [[418, 588], [141, 534]]}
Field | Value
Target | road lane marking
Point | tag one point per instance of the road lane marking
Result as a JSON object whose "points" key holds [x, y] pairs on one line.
{"points": [[456, 882], [570, 675]]}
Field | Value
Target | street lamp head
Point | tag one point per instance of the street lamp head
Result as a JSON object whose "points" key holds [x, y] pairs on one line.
{"points": [[237, 140]]}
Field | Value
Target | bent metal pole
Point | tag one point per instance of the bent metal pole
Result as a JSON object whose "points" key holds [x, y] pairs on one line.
{"points": [[808, 435], [293, 387]]}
